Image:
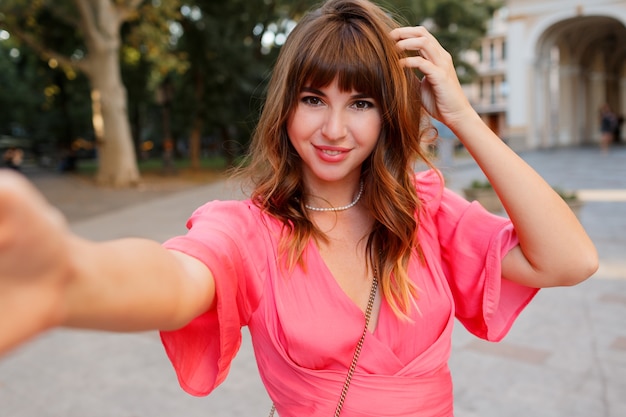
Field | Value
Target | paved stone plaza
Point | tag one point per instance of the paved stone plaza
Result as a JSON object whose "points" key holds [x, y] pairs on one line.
{"points": [[565, 356]]}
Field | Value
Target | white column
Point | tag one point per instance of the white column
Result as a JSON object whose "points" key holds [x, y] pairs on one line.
{"points": [[597, 94], [517, 75], [541, 100], [567, 109]]}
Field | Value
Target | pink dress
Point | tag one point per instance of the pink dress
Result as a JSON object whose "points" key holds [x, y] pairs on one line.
{"points": [[304, 328]]}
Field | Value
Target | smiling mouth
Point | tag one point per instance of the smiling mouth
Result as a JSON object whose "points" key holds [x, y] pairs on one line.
{"points": [[329, 152]]}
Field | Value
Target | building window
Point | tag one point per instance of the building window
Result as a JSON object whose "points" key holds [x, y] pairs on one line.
{"points": [[504, 89], [504, 50]]}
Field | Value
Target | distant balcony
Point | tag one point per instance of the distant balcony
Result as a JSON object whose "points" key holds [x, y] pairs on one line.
{"points": [[491, 68], [485, 106]]}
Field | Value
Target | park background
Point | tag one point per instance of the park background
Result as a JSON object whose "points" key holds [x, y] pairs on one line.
{"points": [[129, 111], [117, 87]]}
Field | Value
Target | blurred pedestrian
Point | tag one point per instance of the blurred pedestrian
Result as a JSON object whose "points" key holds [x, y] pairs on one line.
{"points": [[608, 123]]}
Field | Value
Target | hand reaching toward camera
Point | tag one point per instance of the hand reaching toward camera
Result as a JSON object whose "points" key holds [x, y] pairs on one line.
{"points": [[34, 261]]}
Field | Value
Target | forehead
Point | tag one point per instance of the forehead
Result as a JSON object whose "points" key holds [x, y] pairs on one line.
{"points": [[352, 54], [348, 73]]}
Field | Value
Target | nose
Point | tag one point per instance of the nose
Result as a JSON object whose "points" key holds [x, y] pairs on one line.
{"points": [[335, 125]]}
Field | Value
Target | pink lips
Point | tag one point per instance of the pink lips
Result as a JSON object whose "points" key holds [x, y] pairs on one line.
{"points": [[331, 153]]}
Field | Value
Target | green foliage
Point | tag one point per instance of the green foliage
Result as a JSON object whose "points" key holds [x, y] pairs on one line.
{"points": [[155, 165], [481, 184], [566, 195], [52, 39], [228, 65], [457, 24], [46, 104], [209, 52], [149, 44], [22, 84]]}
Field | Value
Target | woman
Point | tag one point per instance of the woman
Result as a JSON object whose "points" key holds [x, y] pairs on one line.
{"points": [[608, 122], [340, 245]]}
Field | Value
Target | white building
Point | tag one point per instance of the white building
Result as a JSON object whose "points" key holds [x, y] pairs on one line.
{"points": [[546, 67], [489, 93]]}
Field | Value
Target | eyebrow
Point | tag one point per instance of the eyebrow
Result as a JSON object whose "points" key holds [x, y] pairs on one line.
{"points": [[313, 91]]}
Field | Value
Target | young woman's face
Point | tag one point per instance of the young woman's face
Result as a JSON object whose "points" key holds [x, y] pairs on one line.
{"points": [[333, 132]]}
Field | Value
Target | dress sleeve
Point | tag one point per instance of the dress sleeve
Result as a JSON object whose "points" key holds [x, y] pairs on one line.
{"points": [[473, 243], [219, 234]]}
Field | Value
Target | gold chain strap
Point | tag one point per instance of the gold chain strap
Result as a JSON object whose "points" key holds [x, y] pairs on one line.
{"points": [[357, 351]]}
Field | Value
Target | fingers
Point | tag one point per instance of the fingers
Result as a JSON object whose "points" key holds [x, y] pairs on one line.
{"points": [[10, 182], [416, 38], [33, 261], [431, 59], [15, 189], [22, 206], [441, 92], [30, 228], [407, 32], [13, 192]]}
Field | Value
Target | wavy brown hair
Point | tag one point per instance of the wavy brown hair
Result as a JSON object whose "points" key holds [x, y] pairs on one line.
{"points": [[346, 40]]}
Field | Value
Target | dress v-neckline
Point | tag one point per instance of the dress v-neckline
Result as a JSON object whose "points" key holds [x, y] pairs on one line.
{"points": [[329, 276]]}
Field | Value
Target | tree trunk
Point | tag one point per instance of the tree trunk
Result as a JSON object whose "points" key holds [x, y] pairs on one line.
{"points": [[195, 140], [117, 162], [227, 144]]}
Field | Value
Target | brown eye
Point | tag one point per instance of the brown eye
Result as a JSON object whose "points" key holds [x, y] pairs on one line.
{"points": [[311, 100], [363, 105]]}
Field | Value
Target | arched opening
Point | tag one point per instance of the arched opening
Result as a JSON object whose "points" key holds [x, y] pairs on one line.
{"points": [[580, 64]]}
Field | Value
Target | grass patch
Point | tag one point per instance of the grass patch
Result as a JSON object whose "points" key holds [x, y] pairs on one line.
{"points": [[154, 165], [210, 169]]}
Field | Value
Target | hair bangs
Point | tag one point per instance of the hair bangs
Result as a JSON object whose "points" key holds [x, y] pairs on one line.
{"points": [[345, 51]]}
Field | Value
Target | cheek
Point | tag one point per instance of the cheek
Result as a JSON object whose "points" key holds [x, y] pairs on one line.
{"points": [[371, 130], [292, 126], [297, 127], [292, 130]]}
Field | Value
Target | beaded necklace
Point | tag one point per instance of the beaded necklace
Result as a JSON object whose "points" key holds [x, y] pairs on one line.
{"points": [[342, 208]]}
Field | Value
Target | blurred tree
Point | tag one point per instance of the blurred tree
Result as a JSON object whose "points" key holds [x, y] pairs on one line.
{"points": [[40, 100], [230, 47], [203, 63], [457, 24], [93, 48], [23, 82]]}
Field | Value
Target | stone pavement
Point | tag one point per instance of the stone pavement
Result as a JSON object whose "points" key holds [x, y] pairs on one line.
{"points": [[564, 357]]}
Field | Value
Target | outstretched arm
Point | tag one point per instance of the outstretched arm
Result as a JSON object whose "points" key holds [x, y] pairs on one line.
{"points": [[554, 248], [51, 277]]}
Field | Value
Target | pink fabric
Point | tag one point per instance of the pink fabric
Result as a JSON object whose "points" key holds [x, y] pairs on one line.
{"points": [[304, 327]]}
